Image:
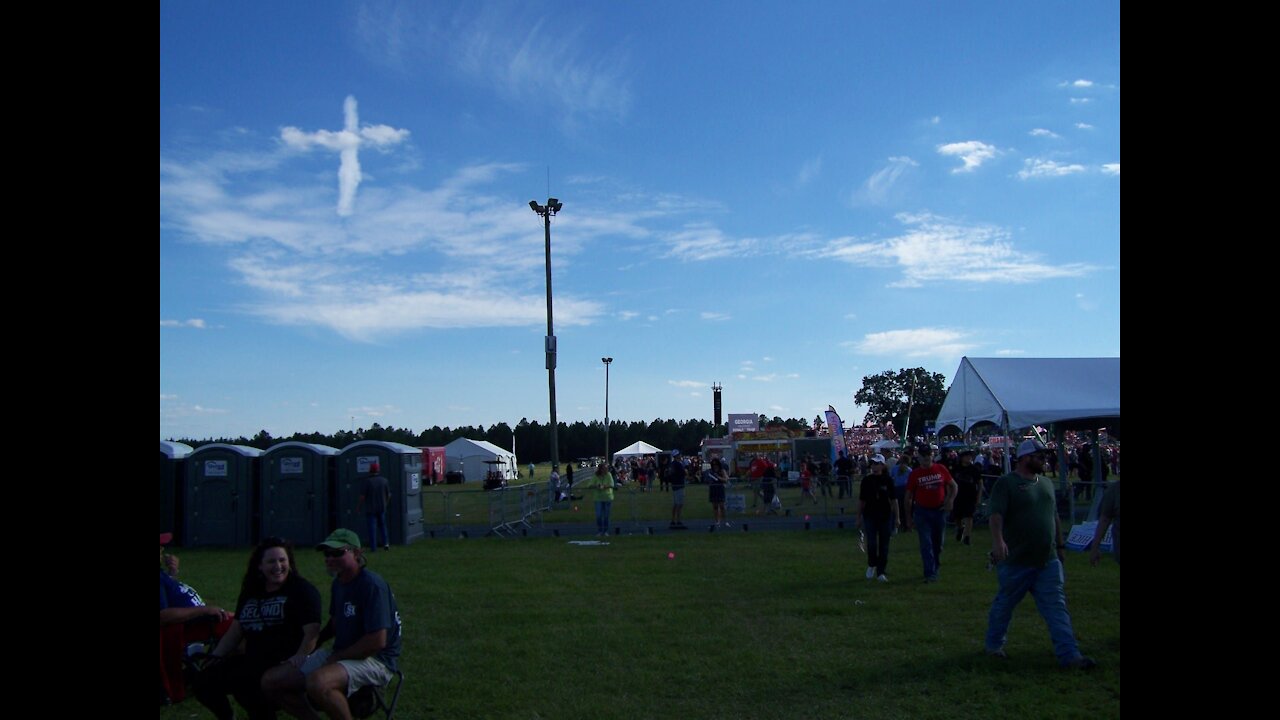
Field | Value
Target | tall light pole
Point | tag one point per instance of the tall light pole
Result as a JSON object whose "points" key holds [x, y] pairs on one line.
{"points": [[607, 362], [547, 211]]}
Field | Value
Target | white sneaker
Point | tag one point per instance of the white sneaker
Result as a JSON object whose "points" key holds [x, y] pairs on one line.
{"points": [[871, 573], [882, 578]]}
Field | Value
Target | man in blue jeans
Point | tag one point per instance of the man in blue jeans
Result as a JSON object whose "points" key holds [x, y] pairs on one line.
{"points": [[1026, 544], [930, 492], [375, 496]]}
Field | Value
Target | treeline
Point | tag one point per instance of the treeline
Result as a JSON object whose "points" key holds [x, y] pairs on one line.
{"points": [[532, 439]]}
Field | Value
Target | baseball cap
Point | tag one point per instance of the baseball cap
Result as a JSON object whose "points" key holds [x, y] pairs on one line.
{"points": [[340, 538], [1027, 447], [166, 538], [877, 458]]}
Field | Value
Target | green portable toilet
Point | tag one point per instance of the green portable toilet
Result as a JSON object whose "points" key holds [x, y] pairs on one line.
{"points": [[172, 455], [219, 495], [294, 500], [401, 465]]}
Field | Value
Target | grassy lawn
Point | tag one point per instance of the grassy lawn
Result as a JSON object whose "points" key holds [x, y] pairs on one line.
{"points": [[737, 625]]}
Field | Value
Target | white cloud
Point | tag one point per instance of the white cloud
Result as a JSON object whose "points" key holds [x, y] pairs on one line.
{"points": [[164, 397], [850, 316], [937, 249], [935, 119], [1041, 132], [1082, 83], [879, 189], [1081, 101], [1038, 168], [627, 315], [201, 410], [196, 323], [347, 143], [777, 408], [1006, 353], [766, 378], [312, 268], [715, 316], [1083, 126], [373, 412], [920, 342], [1111, 168], [687, 383], [766, 358], [972, 152], [703, 241], [810, 170], [528, 58]]}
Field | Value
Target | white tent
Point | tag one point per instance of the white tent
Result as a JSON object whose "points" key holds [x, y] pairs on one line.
{"points": [[638, 448], [469, 457], [1082, 393]]}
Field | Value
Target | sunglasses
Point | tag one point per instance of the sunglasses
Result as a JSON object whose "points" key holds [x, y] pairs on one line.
{"points": [[332, 553]]}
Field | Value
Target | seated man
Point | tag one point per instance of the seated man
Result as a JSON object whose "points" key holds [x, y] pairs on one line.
{"points": [[366, 646], [180, 609]]}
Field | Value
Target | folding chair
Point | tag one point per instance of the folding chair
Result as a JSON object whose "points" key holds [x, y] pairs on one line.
{"points": [[369, 699]]}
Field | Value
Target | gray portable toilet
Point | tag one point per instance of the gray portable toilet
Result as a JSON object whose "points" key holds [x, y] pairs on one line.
{"points": [[401, 465], [219, 495], [294, 499], [172, 455]]}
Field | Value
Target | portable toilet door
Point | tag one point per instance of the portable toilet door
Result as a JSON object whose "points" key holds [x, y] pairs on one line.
{"points": [[219, 493], [401, 465], [171, 458], [295, 492]]}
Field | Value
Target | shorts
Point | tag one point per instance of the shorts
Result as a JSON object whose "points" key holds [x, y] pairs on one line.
{"points": [[677, 496], [717, 494], [360, 673]]}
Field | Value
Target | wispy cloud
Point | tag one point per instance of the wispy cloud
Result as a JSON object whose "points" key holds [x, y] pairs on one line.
{"points": [[936, 119], [687, 383], [347, 143], [1081, 101], [1083, 126], [766, 378], [919, 342], [1081, 83], [627, 315], [1041, 132], [164, 397], [972, 152], [373, 411], [1006, 353], [937, 249], [703, 241], [810, 170], [1111, 168], [715, 316], [196, 323], [1041, 168], [880, 188], [526, 57], [309, 267]]}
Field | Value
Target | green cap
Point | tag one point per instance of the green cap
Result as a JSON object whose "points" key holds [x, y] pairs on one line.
{"points": [[340, 538]]}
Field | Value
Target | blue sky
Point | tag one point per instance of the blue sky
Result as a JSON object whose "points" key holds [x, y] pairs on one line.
{"points": [[782, 198]]}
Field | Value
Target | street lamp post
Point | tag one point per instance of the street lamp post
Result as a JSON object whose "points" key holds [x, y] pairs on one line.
{"points": [[607, 361], [552, 207]]}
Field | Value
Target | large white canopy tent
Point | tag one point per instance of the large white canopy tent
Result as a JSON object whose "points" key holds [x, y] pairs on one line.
{"points": [[1072, 393], [470, 457], [638, 448]]}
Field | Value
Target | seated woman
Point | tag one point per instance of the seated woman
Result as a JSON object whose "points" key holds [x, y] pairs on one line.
{"points": [[277, 621]]}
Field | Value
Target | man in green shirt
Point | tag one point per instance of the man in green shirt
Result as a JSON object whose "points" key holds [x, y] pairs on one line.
{"points": [[1026, 544]]}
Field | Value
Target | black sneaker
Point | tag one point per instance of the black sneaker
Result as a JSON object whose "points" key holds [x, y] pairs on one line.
{"points": [[1080, 663]]}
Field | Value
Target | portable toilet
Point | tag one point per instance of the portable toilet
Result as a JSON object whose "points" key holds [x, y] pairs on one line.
{"points": [[219, 495], [294, 498], [401, 465], [172, 455]]}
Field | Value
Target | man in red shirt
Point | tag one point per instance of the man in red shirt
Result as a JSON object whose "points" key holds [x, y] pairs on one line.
{"points": [[930, 492]]}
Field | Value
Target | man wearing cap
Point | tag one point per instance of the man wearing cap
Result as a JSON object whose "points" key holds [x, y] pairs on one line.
{"points": [[366, 646], [180, 605], [1027, 547], [930, 492], [179, 602], [676, 475], [375, 496]]}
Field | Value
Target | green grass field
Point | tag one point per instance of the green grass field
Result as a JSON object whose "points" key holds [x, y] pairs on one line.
{"points": [[737, 625]]}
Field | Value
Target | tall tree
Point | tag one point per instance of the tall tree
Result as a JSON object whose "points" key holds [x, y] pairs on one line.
{"points": [[887, 395]]}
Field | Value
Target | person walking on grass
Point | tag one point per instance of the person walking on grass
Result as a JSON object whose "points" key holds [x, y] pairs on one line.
{"points": [[877, 516], [603, 483], [717, 480], [1027, 547], [930, 492]]}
